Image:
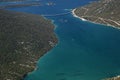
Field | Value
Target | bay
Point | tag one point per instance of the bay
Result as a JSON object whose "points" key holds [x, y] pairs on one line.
{"points": [[85, 51]]}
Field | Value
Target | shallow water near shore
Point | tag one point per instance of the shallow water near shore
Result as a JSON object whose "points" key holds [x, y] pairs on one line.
{"points": [[85, 51]]}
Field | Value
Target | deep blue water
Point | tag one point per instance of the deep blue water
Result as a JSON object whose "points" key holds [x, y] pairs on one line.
{"points": [[85, 51]]}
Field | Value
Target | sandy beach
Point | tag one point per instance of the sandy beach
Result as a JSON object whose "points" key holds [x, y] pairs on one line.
{"points": [[73, 13]]}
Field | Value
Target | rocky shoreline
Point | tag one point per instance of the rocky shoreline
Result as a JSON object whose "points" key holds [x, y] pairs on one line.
{"points": [[83, 19], [113, 78], [104, 12], [24, 38], [100, 12]]}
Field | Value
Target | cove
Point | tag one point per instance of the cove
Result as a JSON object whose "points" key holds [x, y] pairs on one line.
{"points": [[85, 51]]}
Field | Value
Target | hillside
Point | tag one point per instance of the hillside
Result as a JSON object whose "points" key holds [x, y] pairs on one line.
{"points": [[103, 11], [24, 38]]}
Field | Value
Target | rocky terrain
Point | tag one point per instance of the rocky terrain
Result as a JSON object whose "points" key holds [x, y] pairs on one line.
{"points": [[24, 38], [103, 11], [113, 78]]}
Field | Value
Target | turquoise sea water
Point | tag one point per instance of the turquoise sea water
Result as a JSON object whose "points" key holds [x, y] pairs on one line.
{"points": [[85, 51]]}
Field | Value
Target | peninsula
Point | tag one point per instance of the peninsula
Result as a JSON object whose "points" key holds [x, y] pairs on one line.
{"points": [[103, 12], [24, 38], [106, 12]]}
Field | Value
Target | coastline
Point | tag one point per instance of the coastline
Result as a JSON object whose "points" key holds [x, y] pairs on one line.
{"points": [[73, 13], [83, 19], [36, 67], [113, 78], [55, 44], [24, 58]]}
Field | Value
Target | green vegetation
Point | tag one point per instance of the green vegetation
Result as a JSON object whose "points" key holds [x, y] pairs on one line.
{"points": [[103, 11], [24, 38]]}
